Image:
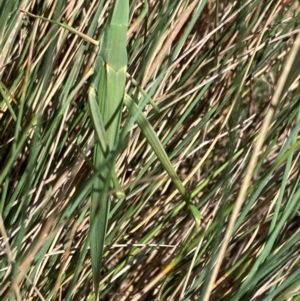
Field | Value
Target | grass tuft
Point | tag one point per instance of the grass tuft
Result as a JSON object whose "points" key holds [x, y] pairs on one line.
{"points": [[164, 171]]}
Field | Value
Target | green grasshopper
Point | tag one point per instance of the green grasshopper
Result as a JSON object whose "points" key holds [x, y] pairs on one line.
{"points": [[110, 79], [106, 104], [106, 98]]}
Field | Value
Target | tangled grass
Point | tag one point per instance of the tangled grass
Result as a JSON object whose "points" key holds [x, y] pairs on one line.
{"points": [[224, 76]]}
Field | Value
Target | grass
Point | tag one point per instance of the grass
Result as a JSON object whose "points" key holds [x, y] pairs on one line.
{"points": [[202, 183]]}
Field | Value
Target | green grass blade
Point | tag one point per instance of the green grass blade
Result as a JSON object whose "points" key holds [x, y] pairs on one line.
{"points": [[163, 157]]}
